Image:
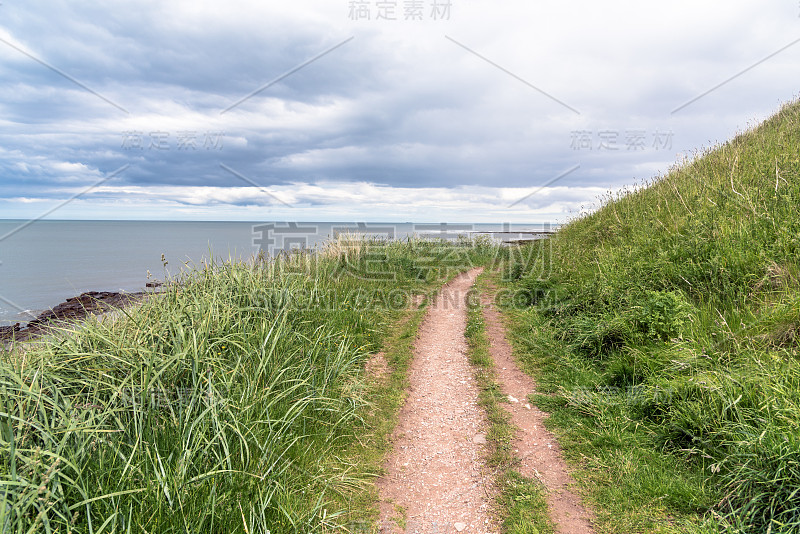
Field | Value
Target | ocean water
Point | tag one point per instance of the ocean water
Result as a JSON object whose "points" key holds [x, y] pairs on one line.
{"points": [[48, 261]]}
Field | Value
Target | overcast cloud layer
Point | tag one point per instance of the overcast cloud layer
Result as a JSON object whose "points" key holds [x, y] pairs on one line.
{"points": [[478, 112]]}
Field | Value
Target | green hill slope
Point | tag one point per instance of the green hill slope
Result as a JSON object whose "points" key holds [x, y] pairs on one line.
{"points": [[667, 324]]}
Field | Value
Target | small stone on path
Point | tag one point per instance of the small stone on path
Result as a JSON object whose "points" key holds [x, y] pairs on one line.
{"points": [[460, 526]]}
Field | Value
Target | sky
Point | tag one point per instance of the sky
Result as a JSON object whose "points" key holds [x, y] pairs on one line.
{"points": [[372, 110]]}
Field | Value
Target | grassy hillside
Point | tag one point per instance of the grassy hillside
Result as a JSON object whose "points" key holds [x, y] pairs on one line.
{"points": [[235, 402], [666, 325]]}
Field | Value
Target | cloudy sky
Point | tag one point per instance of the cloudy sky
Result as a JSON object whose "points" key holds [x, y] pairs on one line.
{"points": [[374, 110]]}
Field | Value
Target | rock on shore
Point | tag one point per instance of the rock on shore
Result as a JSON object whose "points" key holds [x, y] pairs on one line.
{"points": [[71, 310]]}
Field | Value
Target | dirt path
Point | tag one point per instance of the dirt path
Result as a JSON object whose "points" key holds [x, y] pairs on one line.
{"points": [[536, 447], [435, 481]]}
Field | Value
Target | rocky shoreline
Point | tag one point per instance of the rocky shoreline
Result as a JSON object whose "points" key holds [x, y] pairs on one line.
{"points": [[70, 311]]}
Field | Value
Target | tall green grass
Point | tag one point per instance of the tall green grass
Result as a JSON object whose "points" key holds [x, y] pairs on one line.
{"points": [[667, 327], [226, 404]]}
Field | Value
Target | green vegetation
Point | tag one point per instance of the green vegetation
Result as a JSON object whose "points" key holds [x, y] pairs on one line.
{"points": [[237, 401], [521, 502], [386, 390], [664, 329]]}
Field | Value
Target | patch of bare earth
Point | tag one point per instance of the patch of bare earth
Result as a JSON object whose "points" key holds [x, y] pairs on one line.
{"points": [[377, 367], [417, 300], [537, 449], [435, 481]]}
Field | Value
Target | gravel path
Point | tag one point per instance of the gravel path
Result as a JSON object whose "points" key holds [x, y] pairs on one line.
{"points": [[435, 481], [537, 448]]}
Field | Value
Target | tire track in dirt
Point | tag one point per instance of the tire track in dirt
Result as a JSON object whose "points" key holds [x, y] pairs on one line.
{"points": [[537, 448], [435, 482]]}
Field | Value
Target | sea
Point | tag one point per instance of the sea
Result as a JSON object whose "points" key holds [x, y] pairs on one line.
{"points": [[44, 262]]}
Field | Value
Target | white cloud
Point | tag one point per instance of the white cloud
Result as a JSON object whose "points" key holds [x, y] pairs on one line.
{"points": [[401, 119], [337, 201]]}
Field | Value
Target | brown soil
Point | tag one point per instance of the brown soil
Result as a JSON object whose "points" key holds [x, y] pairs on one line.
{"points": [[537, 449], [435, 481], [377, 367], [417, 300]]}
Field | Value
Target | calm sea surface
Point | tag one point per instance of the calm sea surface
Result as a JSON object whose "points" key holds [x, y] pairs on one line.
{"points": [[44, 263]]}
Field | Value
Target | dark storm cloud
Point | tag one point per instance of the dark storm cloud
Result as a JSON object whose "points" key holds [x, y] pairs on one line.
{"points": [[145, 85]]}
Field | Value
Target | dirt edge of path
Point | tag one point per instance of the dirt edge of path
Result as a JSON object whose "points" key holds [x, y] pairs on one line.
{"points": [[536, 447]]}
